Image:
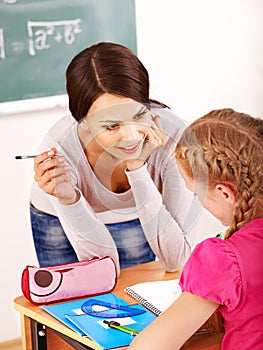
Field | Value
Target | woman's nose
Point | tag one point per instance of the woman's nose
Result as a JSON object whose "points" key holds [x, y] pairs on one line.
{"points": [[130, 131]]}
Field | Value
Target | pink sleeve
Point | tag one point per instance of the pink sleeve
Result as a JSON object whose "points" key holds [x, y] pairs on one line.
{"points": [[212, 272]]}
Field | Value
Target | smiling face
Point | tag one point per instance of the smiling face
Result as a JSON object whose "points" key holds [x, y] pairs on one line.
{"points": [[116, 125]]}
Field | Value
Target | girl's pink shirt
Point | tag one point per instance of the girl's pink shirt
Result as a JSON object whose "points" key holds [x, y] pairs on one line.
{"points": [[230, 272]]}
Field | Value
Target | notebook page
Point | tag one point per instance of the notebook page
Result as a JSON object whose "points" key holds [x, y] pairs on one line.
{"points": [[156, 296]]}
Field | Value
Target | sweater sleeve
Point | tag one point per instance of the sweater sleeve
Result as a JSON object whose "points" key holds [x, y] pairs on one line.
{"points": [[88, 236], [87, 243], [170, 239]]}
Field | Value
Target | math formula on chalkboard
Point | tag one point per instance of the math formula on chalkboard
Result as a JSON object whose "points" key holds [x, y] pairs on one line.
{"points": [[43, 35], [38, 39]]}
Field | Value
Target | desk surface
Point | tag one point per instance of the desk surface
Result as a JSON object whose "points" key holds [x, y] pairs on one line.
{"points": [[141, 273]]}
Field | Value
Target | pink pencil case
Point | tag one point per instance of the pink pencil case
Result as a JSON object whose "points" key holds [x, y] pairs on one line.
{"points": [[44, 285]]}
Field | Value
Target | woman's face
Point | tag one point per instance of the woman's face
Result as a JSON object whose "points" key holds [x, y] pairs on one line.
{"points": [[117, 125]]}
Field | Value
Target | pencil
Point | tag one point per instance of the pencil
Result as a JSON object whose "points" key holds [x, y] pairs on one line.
{"points": [[117, 325], [25, 157], [33, 156]]}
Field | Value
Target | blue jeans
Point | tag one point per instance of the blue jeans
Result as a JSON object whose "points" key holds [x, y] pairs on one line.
{"points": [[51, 244], [132, 246], [53, 247]]}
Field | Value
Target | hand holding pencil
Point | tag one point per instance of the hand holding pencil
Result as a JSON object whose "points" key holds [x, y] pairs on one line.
{"points": [[53, 177]]}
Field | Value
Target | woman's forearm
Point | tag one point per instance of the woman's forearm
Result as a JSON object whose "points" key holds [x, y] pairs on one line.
{"points": [[88, 236]]}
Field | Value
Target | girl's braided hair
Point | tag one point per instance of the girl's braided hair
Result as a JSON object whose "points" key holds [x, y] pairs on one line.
{"points": [[226, 146]]}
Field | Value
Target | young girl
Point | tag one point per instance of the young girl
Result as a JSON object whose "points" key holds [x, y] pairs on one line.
{"points": [[220, 157], [112, 189]]}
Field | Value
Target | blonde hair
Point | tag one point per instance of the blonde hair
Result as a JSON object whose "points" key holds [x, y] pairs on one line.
{"points": [[226, 146]]}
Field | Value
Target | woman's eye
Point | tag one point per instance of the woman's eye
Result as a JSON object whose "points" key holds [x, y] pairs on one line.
{"points": [[112, 126], [141, 114]]}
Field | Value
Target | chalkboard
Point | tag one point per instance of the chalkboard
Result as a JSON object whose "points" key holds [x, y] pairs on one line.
{"points": [[38, 39]]}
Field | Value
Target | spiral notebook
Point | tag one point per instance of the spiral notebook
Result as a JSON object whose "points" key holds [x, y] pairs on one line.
{"points": [[155, 296]]}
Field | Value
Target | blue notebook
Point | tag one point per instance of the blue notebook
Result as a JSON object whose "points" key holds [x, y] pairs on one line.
{"points": [[86, 316]]}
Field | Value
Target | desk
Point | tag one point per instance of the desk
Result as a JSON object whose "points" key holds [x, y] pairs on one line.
{"points": [[41, 331]]}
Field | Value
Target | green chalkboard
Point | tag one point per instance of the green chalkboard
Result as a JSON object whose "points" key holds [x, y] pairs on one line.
{"points": [[38, 39]]}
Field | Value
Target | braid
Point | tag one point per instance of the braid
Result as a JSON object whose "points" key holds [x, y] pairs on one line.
{"points": [[229, 145], [249, 184]]}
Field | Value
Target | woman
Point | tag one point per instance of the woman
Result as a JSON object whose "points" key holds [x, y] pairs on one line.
{"points": [[104, 178]]}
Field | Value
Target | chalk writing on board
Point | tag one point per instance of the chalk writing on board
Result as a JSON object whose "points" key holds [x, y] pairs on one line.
{"points": [[2, 44], [42, 35], [10, 1]]}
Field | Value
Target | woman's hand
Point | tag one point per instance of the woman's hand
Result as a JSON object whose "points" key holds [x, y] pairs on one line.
{"points": [[52, 176], [154, 139]]}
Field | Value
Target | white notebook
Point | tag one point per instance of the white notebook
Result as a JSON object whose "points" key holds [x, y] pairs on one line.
{"points": [[155, 296]]}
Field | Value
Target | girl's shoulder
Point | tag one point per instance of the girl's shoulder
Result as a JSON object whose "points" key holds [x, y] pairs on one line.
{"points": [[214, 251], [213, 272]]}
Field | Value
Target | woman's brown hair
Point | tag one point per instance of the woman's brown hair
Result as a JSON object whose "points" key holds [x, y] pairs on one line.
{"points": [[226, 146], [105, 68]]}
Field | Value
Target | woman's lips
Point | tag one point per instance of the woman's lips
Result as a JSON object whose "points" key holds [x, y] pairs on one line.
{"points": [[130, 149]]}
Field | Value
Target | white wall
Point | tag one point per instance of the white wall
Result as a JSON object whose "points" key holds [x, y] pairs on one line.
{"points": [[200, 55], [203, 54], [19, 134]]}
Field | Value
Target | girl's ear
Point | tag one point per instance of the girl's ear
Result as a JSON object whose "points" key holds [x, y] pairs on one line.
{"points": [[226, 192]]}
